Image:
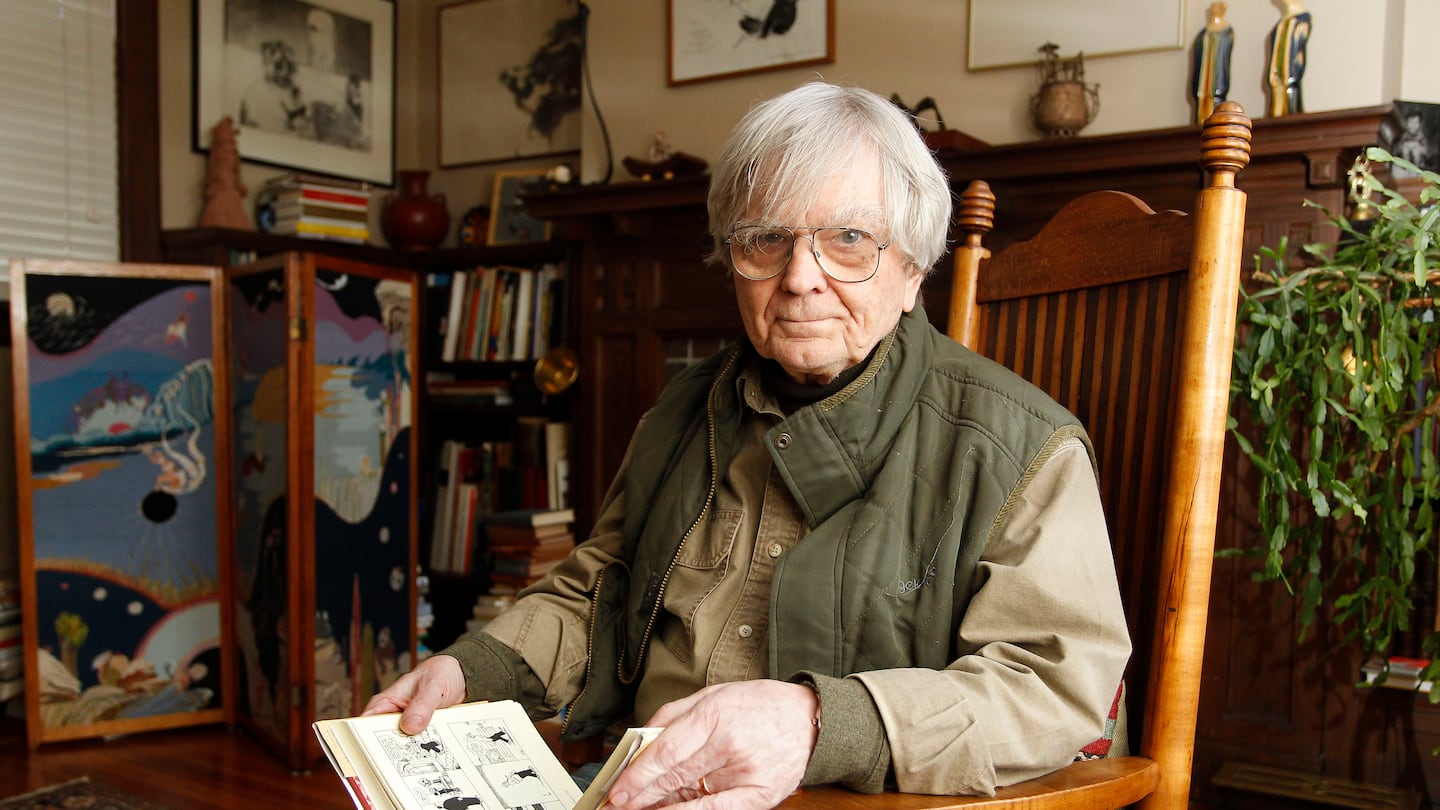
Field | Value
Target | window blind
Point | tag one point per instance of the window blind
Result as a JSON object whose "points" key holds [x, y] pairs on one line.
{"points": [[59, 184]]}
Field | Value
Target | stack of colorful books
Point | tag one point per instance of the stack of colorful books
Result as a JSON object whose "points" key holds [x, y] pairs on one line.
{"points": [[525, 544], [315, 207]]}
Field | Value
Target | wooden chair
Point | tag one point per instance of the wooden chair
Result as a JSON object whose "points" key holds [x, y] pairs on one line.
{"points": [[1127, 317]]}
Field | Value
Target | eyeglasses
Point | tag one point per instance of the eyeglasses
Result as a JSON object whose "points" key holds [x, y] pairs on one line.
{"points": [[845, 254]]}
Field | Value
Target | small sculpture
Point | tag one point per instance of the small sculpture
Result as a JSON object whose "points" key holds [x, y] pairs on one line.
{"points": [[1287, 58], [224, 192], [1210, 62], [939, 137], [665, 162], [1064, 104]]}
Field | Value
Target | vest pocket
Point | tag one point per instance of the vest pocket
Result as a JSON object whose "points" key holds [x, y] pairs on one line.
{"points": [[700, 566]]}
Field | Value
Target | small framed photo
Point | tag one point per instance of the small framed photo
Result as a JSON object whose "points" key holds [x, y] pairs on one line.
{"points": [[510, 224], [710, 40], [308, 85]]}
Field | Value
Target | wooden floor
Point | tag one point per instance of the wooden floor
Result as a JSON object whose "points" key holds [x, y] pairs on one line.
{"points": [[210, 767]]}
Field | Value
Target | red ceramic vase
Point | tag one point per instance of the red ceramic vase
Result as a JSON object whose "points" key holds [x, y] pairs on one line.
{"points": [[413, 218]]}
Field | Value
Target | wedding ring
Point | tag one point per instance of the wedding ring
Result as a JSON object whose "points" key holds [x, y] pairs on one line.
{"points": [[705, 786]]}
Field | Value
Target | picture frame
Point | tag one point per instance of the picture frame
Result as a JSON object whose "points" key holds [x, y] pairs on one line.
{"points": [[121, 392], [710, 40], [510, 224], [1009, 33], [490, 55], [308, 85]]}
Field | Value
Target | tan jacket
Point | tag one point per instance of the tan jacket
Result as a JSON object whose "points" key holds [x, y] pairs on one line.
{"points": [[1043, 639]]}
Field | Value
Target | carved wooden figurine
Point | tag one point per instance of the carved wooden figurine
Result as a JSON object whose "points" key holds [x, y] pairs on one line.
{"points": [[224, 192]]}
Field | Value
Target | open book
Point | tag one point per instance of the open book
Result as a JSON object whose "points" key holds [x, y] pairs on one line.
{"points": [[474, 756]]}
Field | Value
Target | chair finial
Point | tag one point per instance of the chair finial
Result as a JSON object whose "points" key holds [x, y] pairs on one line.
{"points": [[1225, 143], [976, 212]]}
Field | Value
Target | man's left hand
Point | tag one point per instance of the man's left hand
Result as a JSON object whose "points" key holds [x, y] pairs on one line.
{"points": [[732, 745]]}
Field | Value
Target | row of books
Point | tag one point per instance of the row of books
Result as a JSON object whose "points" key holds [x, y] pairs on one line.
{"points": [[314, 207], [12, 669], [475, 481], [453, 390], [504, 313]]}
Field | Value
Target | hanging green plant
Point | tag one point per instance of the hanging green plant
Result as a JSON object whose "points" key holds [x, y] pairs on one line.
{"points": [[1337, 369]]}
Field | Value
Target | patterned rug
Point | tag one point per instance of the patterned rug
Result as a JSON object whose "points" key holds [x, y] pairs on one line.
{"points": [[77, 794]]}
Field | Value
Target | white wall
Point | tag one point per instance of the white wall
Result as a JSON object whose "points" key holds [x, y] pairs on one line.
{"points": [[915, 48]]}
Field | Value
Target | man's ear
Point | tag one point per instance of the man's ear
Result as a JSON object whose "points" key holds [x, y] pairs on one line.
{"points": [[912, 287]]}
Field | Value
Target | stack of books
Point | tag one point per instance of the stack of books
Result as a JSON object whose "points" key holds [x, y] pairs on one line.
{"points": [[1396, 672], [525, 544], [488, 606], [475, 481], [315, 207], [12, 670]]}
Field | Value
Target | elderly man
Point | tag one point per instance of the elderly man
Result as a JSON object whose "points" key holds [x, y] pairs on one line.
{"points": [[844, 550]]}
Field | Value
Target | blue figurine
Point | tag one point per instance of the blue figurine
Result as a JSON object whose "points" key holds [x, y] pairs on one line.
{"points": [[1287, 58], [1210, 62]]}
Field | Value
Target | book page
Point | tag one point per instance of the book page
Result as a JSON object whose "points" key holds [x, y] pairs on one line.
{"points": [[471, 757], [629, 747], [337, 743]]}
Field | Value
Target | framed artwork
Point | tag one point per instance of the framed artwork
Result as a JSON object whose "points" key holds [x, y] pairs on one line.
{"points": [[1006, 33], [510, 224], [123, 478], [714, 39], [509, 76], [309, 85]]}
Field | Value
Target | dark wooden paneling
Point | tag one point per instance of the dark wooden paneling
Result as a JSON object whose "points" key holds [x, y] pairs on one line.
{"points": [[137, 76]]}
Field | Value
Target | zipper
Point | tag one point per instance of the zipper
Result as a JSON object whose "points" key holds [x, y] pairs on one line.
{"points": [[655, 609], [704, 510], [589, 647]]}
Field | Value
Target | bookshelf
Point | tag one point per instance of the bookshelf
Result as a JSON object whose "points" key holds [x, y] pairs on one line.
{"points": [[438, 419]]}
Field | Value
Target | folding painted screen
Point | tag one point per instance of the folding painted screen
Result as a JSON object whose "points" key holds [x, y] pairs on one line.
{"points": [[123, 478], [324, 469]]}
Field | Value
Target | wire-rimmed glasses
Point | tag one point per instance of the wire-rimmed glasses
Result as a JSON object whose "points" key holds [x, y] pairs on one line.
{"points": [[845, 254]]}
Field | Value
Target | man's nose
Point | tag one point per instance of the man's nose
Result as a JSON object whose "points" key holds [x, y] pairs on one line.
{"points": [[804, 268]]}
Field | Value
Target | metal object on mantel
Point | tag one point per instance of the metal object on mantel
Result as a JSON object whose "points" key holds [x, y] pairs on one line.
{"points": [[1064, 104]]}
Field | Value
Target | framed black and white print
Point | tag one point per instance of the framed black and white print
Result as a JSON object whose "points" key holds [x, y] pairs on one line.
{"points": [[714, 39], [309, 85], [509, 75]]}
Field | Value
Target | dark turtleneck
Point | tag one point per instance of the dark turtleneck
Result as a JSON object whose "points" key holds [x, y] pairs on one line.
{"points": [[792, 395]]}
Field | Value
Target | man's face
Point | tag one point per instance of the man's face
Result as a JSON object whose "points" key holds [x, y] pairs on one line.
{"points": [[816, 327], [320, 40]]}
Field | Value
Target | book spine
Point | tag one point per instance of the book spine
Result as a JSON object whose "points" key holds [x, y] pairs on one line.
{"points": [[453, 316], [298, 210], [343, 226], [307, 227], [290, 179]]}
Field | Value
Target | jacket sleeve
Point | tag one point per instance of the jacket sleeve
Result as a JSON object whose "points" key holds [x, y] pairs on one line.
{"points": [[548, 626], [1043, 647]]}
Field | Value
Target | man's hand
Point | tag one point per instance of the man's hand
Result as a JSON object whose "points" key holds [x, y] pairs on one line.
{"points": [[733, 745], [438, 682]]}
